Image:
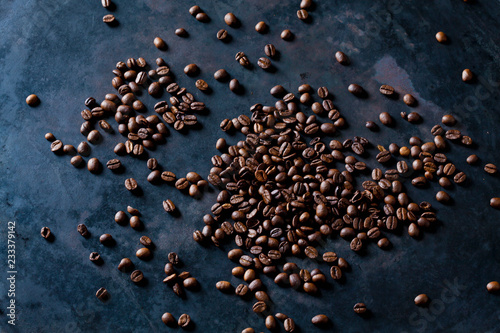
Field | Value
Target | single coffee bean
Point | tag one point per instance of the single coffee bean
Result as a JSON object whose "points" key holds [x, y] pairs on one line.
{"points": [[125, 265], [191, 69], [152, 164], [109, 19], [181, 32], [270, 50], [168, 319], [95, 257], [386, 90], [286, 35], [93, 165], [320, 320], [173, 258], [222, 34], [443, 197], [143, 253], [409, 100], [77, 161], [441, 37], [336, 272], [234, 85], [383, 243], [437, 130], [448, 120], [136, 276], [302, 14], [359, 308], [271, 323], [421, 300], [495, 203], [182, 184], [194, 10], [168, 176], [371, 125], [460, 178], [184, 320], [386, 119], [289, 325], [467, 75], [32, 100], [121, 217], [168, 206], [264, 63], [493, 287], [102, 294], [202, 17], [106, 239], [356, 90], [131, 184], [114, 164], [231, 20], [82, 230], [383, 156], [261, 27], [46, 233], [413, 117], [323, 92], [94, 137], [160, 43], [201, 85], [221, 75], [490, 168], [341, 58], [57, 147], [224, 286]]}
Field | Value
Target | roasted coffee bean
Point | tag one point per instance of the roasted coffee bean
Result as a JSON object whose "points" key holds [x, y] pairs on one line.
{"points": [[32, 100], [94, 166], [289, 325], [143, 253], [490, 168], [383, 243], [136, 276], [154, 177], [181, 184], [264, 63], [359, 308], [160, 43], [386, 90], [323, 92], [383, 156], [82, 230], [409, 100], [131, 184], [152, 164], [302, 14], [421, 300], [372, 126], [234, 85], [467, 75], [109, 19], [356, 89], [57, 146], [222, 34], [224, 286], [448, 120], [286, 35], [386, 119], [413, 117], [320, 320], [441, 37], [191, 69], [270, 50], [437, 130], [46, 233], [113, 164], [181, 32], [261, 27], [168, 319], [168, 176], [231, 20], [495, 203], [102, 294], [493, 287], [202, 17], [460, 178], [443, 197], [168, 206], [201, 85], [341, 58], [336, 272], [95, 257]]}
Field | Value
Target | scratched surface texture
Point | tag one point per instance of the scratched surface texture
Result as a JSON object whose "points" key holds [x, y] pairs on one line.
{"points": [[62, 51]]}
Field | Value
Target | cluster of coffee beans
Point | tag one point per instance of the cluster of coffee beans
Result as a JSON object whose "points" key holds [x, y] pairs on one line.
{"points": [[178, 281]]}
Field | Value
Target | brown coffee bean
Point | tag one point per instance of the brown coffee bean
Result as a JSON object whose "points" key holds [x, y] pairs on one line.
{"points": [[261, 27], [160, 43], [493, 287], [359, 308], [409, 100], [32, 100], [467, 75], [143, 253], [264, 63], [234, 86], [443, 197], [460, 178], [320, 320], [286, 35], [131, 184], [181, 32], [191, 69], [168, 319], [386, 90], [46, 233], [102, 294], [441, 37], [495, 203], [270, 50], [302, 14], [490, 168], [109, 19], [125, 265], [202, 17], [94, 166], [168, 206], [386, 119], [95, 257], [289, 325], [448, 120], [341, 58], [224, 286], [201, 85], [222, 34], [421, 300], [106, 239], [356, 90]]}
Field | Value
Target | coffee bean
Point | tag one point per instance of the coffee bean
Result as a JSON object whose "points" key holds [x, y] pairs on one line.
{"points": [[168, 206], [323, 92], [443, 197], [202, 17], [356, 90], [136, 276], [160, 43], [467, 75], [46, 233], [109, 19], [441, 37], [302, 14], [57, 147], [113, 164], [191, 69], [383, 243], [448, 120], [490, 168], [231, 20], [94, 166], [286, 35], [224, 286], [168, 319], [493, 287], [460, 178], [95, 257], [181, 184], [383, 156], [131, 184], [386, 119], [264, 63], [453, 134], [201, 85], [194, 10], [270, 50], [125, 265], [143, 253], [261, 27], [168, 176], [359, 308], [221, 75], [320, 320], [271, 323], [336, 272], [32, 100], [181, 32], [413, 117], [102, 294], [341, 58], [222, 34], [234, 85], [409, 100], [372, 126], [495, 203], [289, 325], [386, 90], [421, 300]]}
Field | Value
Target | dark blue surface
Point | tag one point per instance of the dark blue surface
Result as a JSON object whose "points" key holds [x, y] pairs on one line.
{"points": [[62, 51]]}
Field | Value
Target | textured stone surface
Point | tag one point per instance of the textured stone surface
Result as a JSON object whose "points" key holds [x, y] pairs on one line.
{"points": [[62, 51]]}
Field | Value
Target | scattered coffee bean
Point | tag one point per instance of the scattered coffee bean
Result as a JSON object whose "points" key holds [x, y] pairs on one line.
{"points": [[231, 20], [443, 197], [181, 32], [46, 233], [493, 287], [143, 253], [102, 294], [131, 184], [106, 239], [109, 19], [320, 320], [125, 265], [168, 206], [495, 203], [386, 90], [136, 276], [421, 300], [201, 85], [467, 75], [270, 50], [409, 100], [490, 168], [95, 257], [32, 100], [359, 308], [286, 35], [356, 90], [184, 320], [234, 85], [261, 27], [441, 37], [448, 120], [386, 119], [264, 63], [222, 34], [94, 166], [202, 17], [191, 69], [160, 43], [341, 58], [168, 319], [302, 14]]}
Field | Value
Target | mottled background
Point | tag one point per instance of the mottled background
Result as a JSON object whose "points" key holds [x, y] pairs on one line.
{"points": [[62, 51]]}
